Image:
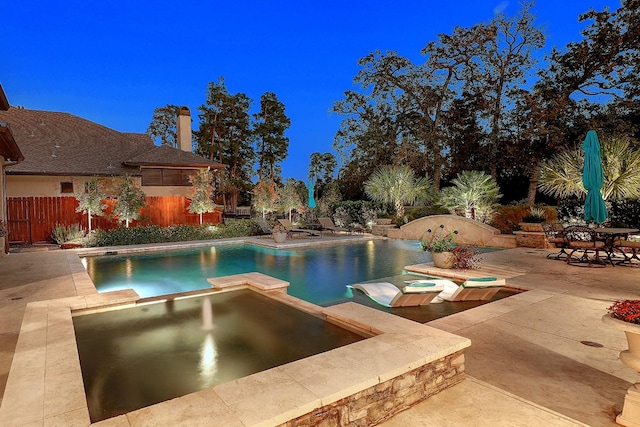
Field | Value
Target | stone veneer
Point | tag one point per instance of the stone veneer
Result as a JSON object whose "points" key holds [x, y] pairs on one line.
{"points": [[531, 239], [376, 404]]}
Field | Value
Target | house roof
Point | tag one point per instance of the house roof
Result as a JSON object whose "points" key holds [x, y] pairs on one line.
{"points": [[56, 143], [169, 156], [4, 104], [8, 148]]}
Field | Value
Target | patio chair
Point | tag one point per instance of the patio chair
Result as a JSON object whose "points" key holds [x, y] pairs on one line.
{"points": [[297, 231], [628, 246], [553, 233], [327, 224], [412, 295], [266, 229], [585, 248], [476, 289]]}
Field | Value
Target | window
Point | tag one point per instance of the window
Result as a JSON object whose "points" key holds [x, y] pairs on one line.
{"points": [[151, 177], [66, 187], [167, 177]]}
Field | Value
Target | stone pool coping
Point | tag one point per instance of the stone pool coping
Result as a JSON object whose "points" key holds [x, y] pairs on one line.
{"points": [[45, 382], [252, 240]]}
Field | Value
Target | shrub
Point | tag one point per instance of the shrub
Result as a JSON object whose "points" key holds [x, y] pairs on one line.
{"points": [[63, 234], [507, 218], [360, 212], [625, 212], [466, 258], [415, 212], [175, 233], [571, 211], [536, 214]]}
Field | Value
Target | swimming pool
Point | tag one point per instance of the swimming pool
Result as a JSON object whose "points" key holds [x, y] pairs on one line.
{"points": [[317, 274]]}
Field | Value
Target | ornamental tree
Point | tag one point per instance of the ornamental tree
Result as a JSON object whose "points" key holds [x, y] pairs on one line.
{"points": [[131, 199], [201, 193], [265, 197], [90, 200]]}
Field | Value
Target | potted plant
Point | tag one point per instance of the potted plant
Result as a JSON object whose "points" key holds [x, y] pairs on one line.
{"points": [[279, 233], [533, 221], [625, 315], [440, 243]]}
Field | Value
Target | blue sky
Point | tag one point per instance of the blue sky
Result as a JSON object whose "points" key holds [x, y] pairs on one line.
{"points": [[115, 62]]}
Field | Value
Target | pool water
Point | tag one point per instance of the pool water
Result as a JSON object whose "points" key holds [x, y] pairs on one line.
{"points": [[139, 356], [316, 274]]}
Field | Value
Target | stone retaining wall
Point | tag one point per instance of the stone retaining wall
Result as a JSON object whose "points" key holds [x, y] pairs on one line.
{"points": [[376, 404]]}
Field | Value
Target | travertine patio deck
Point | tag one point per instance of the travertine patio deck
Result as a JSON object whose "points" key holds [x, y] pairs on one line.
{"points": [[528, 363]]}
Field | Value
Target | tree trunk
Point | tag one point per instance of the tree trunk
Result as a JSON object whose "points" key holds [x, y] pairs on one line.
{"points": [[533, 187], [399, 210]]}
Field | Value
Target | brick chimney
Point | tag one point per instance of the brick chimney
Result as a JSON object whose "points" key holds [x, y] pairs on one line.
{"points": [[183, 129]]}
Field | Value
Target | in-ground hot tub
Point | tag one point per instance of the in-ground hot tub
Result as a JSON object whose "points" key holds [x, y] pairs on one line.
{"points": [[138, 356]]}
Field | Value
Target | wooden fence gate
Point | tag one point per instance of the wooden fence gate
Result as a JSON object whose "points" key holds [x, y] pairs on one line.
{"points": [[32, 219]]}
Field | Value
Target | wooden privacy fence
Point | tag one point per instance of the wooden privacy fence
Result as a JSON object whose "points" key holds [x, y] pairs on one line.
{"points": [[32, 219]]}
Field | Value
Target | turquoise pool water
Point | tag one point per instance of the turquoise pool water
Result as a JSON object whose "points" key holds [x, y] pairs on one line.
{"points": [[317, 274]]}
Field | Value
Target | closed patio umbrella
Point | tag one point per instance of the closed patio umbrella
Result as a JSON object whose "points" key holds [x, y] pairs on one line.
{"points": [[312, 201], [593, 179]]}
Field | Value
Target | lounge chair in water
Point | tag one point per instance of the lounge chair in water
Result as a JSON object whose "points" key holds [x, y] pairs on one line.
{"points": [[478, 289], [327, 224], [419, 292], [297, 231]]}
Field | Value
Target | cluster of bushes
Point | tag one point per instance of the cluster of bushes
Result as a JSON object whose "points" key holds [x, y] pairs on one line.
{"points": [[66, 234], [625, 212], [175, 233], [361, 212], [506, 218], [622, 213]]}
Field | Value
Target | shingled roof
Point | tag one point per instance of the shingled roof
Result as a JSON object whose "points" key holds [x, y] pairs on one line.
{"points": [[56, 143]]}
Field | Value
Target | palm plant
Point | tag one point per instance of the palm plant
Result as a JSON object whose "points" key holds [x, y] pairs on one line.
{"points": [[397, 185], [561, 176], [473, 194]]}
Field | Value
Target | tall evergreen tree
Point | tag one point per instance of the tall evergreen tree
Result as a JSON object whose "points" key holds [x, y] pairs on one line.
{"points": [[269, 129], [163, 125], [225, 136]]}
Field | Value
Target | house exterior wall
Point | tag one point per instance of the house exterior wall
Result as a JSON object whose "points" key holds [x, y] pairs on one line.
{"points": [[166, 191], [38, 186], [3, 205], [49, 186]]}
